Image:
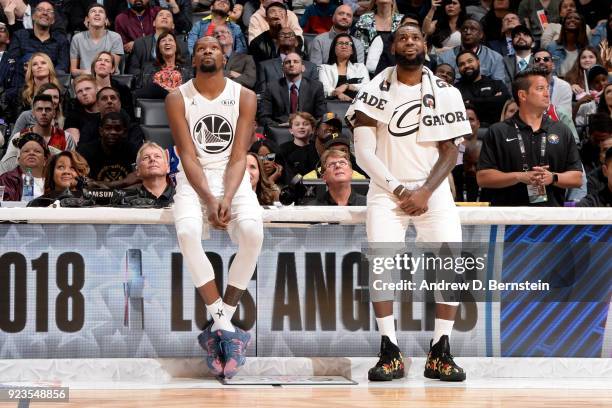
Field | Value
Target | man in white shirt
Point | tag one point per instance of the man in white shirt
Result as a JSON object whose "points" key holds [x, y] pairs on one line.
{"points": [[560, 91]]}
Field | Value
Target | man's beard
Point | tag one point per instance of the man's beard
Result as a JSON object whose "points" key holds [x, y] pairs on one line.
{"points": [[138, 7], [521, 47], [406, 62], [470, 76], [206, 68], [338, 27], [544, 69]]}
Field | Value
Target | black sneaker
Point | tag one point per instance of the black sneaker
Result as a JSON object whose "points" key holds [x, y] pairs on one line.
{"points": [[390, 363], [440, 364]]}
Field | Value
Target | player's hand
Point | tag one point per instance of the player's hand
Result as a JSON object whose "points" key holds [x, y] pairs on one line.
{"points": [[414, 202], [212, 211], [225, 212]]}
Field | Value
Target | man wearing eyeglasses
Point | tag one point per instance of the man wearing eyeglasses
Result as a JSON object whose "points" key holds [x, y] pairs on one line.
{"points": [[41, 39], [560, 90], [337, 174]]}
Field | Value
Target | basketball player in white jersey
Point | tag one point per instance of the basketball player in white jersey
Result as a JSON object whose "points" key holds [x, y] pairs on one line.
{"points": [[211, 118], [408, 184]]}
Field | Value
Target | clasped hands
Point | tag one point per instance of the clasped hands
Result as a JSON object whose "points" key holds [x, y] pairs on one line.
{"points": [[413, 202], [537, 176]]}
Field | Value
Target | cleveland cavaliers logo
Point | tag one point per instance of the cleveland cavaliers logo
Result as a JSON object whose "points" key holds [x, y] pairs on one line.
{"points": [[429, 101], [213, 134], [405, 119]]}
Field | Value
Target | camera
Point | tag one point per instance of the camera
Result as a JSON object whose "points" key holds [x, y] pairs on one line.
{"points": [[295, 191]]}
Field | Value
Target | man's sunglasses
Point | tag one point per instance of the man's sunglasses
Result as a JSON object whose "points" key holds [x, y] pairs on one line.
{"points": [[542, 59]]}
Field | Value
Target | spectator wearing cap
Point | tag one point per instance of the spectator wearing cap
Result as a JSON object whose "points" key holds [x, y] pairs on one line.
{"points": [[337, 175], [219, 16], [291, 94], [86, 45], [587, 105], [33, 154], [56, 139], [272, 69], [602, 197], [560, 91], [259, 22], [40, 38], [144, 52], [522, 43], [486, 94]]}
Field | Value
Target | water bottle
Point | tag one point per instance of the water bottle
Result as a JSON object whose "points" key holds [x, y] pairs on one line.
{"points": [[27, 193]]}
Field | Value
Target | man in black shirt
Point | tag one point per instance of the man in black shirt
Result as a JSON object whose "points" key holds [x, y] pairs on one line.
{"points": [[111, 158], [603, 197], [487, 95], [511, 160], [337, 174], [152, 168]]}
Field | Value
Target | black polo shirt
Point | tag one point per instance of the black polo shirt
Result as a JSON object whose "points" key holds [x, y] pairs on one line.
{"points": [[501, 151], [326, 199], [164, 200]]}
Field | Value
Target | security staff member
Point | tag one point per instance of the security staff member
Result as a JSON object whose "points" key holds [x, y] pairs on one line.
{"points": [[529, 159]]}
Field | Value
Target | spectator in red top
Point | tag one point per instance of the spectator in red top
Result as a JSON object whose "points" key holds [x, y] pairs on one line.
{"points": [[33, 154], [317, 17], [135, 22]]}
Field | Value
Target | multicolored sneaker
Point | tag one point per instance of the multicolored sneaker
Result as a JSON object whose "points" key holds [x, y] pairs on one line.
{"points": [[440, 364], [233, 347], [209, 341], [390, 363]]}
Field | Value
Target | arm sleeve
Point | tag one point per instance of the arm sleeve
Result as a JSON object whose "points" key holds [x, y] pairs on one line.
{"points": [[315, 52], [117, 45], [365, 153]]}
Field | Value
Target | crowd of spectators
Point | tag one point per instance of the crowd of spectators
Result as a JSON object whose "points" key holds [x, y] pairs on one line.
{"points": [[72, 73]]}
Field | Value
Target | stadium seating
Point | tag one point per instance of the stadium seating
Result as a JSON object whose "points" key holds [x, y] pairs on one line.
{"points": [[152, 112]]}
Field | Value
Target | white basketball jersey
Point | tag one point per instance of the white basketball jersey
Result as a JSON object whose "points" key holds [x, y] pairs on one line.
{"points": [[212, 123], [396, 141]]}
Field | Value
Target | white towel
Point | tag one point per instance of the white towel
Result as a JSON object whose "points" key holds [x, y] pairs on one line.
{"points": [[442, 112]]}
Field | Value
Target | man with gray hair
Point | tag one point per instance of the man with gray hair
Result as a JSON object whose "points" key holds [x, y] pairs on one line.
{"points": [[152, 168]]}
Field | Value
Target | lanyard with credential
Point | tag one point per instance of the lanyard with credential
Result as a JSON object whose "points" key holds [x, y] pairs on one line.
{"points": [[524, 153]]}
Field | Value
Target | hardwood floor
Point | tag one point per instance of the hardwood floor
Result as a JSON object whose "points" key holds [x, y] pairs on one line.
{"points": [[356, 397]]}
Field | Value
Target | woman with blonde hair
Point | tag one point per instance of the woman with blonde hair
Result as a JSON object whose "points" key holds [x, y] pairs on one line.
{"points": [[382, 19], [509, 109], [40, 70]]}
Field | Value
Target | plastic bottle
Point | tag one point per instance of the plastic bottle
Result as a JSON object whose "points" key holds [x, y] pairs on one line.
{"points": [[27, 193]]}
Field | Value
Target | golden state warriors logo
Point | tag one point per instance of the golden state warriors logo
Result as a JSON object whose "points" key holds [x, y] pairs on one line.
{"points": [[405, 119], [213, 134]]}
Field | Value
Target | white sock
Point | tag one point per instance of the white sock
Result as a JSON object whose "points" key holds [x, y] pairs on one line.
{"points": [[386, 327], [442, 327], [229, 310], [219, 315]]}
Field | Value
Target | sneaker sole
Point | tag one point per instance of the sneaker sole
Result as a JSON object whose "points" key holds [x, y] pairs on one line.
{"points": [[434, 375]]}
